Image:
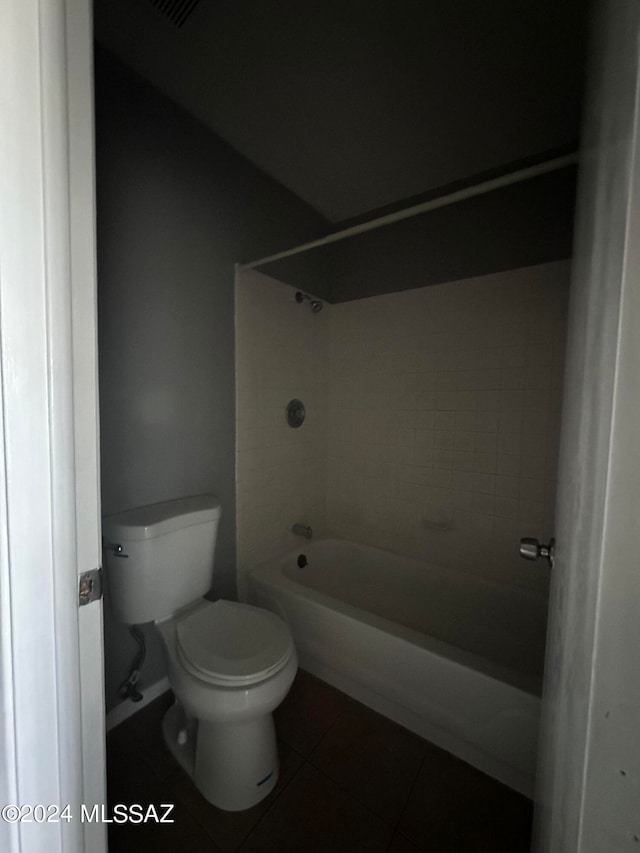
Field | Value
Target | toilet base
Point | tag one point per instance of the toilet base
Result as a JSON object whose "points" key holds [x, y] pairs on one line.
{"points": [[234, 766], [180, 737]]}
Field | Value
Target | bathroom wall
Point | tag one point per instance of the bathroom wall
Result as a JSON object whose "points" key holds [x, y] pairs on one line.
{"points": [[518, 226], [176, 209], [282, 352], [433, 419], [521, 225], [444, 407]]}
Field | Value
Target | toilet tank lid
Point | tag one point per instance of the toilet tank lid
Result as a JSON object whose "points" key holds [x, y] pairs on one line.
{"points": [[147, 522]]}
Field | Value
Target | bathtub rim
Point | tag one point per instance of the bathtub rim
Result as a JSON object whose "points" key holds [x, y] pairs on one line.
{"points": [[271, 572], [353, 676]]}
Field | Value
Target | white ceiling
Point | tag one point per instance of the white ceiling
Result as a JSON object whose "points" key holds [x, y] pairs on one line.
{"points": [[358, 104]]}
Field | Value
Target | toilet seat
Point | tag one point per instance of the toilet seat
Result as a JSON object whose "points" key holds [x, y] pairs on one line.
{"points": [[232, 644]]}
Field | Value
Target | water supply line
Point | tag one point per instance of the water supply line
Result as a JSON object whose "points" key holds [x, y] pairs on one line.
{"points": [[128, 689]]}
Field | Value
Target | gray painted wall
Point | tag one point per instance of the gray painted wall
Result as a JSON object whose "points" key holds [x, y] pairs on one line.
{"points": [[176, 208], [521, 225]]}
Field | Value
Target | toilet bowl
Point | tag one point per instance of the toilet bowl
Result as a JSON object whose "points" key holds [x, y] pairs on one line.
{"points": [[229, 664]]}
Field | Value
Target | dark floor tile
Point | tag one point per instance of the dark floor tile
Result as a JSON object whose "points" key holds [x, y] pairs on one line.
{"points": [[308, 711], [184, 835], [453, 808], [143, 733], [314, 814], [120, 743], [229, 829], [400, 844], [374, 759], [159, 839], [130, 781], [492, 824]]}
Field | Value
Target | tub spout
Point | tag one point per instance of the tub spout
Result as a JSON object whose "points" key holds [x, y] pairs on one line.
{"points": [[302, 530]]}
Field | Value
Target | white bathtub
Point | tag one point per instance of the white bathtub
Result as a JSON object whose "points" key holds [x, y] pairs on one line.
{"points": [[455, 658]]}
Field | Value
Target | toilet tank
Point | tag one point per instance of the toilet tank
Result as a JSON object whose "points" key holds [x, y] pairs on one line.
{"points": [[159, 558]]}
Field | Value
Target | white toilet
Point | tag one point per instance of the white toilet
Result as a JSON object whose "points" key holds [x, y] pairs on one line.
{"points": [[230, 665]]}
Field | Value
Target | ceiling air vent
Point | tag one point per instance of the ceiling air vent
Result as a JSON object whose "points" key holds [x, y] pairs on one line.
{"points": [[176, 12]]}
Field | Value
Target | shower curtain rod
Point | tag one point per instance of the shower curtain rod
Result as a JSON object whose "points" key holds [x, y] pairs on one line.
{"points": [[425, 206]]}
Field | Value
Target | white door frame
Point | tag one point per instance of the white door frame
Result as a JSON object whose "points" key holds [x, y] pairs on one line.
{"points": [[51, 673], [589, 781]]}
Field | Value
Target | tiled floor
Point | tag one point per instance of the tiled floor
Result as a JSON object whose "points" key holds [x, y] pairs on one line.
{"points": [[350, 781]]}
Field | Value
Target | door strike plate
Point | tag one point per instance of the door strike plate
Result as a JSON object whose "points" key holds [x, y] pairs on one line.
{"points": [[89, 587]]}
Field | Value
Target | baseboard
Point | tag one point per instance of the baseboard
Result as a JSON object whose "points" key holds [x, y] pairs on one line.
{"points": [[128, 708]]}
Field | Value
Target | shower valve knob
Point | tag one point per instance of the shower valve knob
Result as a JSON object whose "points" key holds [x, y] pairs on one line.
{"points": [[531, 549]]}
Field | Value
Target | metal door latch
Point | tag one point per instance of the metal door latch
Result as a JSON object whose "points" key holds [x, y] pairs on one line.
{"points": [[531, 549], [89, 587]]}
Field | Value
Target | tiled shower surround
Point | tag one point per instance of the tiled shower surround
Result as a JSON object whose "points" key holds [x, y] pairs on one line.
{"points": [[282, 352], [434, 419]]}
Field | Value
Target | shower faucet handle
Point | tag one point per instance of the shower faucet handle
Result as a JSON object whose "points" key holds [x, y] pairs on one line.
{"points": [[531, 549]]}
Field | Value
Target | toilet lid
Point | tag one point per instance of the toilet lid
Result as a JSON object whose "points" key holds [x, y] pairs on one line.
{"points": [[232, 643]]}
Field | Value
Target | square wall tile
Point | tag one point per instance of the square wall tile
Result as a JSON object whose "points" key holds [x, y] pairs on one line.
{"points": [[437, 397]]}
